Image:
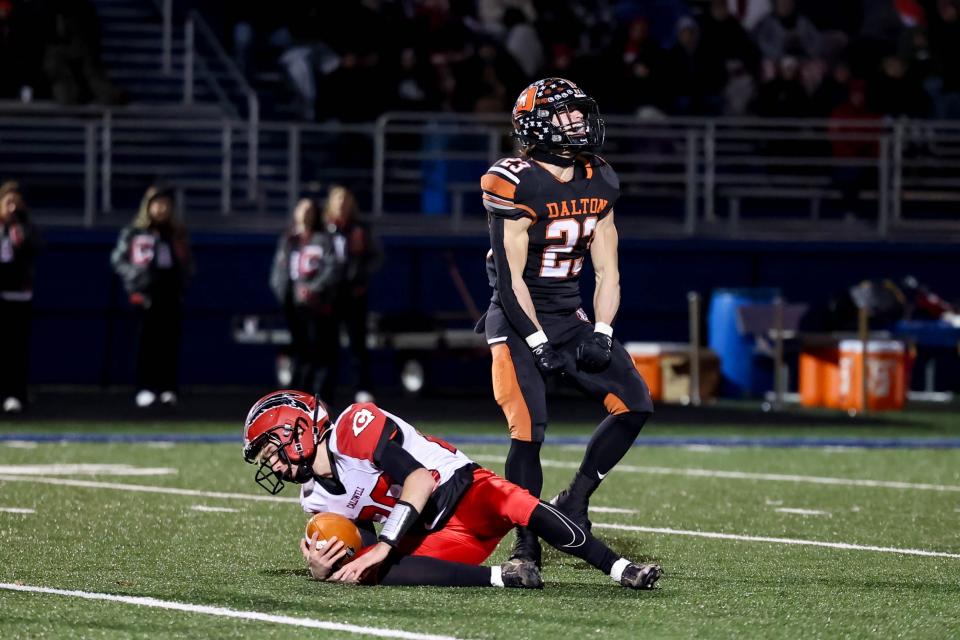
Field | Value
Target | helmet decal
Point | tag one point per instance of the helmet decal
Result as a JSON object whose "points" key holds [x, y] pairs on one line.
{"points": [[544, 116]]}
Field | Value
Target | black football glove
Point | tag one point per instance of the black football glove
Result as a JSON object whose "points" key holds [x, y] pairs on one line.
{"points": [[593, 354], [547, 358]]}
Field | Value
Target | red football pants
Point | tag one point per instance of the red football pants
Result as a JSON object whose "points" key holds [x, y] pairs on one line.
{"points": [[486, 513]]}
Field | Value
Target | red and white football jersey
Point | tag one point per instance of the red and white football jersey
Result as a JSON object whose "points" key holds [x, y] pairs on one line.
{"points": [[363, 492]]}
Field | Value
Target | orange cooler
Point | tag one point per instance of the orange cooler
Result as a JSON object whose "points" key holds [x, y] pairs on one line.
{"points": [[666, 368], [886, 375], [647, 359], [820, 377]]}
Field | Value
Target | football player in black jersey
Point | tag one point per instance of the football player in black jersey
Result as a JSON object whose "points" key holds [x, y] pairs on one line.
{"points": [[547, 209]]}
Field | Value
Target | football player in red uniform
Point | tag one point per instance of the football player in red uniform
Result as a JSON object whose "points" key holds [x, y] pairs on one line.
{"points": [[442, 513], [547, 209]]}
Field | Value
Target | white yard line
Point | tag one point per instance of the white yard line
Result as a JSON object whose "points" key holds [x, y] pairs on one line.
{"points": [[802, 512], [84, 470], [743, 475], [21, 444], [16, 510], [223, 612], [92, 484], [811, 543], [612, 510], [266, 498], [204, 508]]}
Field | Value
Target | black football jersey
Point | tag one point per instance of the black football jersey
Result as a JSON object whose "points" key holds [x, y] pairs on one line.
{"points": [[564, 214]]}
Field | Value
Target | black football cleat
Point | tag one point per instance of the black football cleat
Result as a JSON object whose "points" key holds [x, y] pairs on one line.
{"points": [[520, 574], [640, 576], [526, 547], [574, 508]]}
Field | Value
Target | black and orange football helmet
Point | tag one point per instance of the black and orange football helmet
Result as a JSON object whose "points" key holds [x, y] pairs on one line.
{"points": [[295, 423], [536, 107]]}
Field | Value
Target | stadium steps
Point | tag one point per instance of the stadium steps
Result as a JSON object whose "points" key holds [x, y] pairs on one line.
{"points": [[189, 160]]}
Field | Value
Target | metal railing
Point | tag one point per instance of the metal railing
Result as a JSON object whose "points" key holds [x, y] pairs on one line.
{"points": [[203, 51], [205, 59], [679, 176]]}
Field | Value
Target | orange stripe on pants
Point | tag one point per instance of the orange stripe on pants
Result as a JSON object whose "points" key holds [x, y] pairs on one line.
{"points": [[614, 404], [506, 390]]}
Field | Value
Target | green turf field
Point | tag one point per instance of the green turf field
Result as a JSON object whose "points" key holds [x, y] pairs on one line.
{"points": [[86, 530]]}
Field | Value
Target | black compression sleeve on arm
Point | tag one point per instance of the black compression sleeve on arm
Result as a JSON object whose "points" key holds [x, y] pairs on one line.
{"points": [[397, 462], [511, 306]]}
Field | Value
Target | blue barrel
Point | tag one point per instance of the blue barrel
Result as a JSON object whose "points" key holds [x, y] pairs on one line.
{"points": [[744, 373]]}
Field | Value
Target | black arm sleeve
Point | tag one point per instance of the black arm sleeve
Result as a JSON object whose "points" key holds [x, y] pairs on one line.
{"points": [[396, 461], [368, 535], [508, 300]]}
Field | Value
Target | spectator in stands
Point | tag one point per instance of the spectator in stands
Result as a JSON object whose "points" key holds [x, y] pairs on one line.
{"points": [[72, 56], [153, 259], [415, 83], [785, 96], [945, 47], [640, 61], [724, 38], [896, 92], [833, 91], [853, 142], [18, 248], [360, 256], [749, 12], [492, 14], [522, 42], [22, 41], [785, 31], [257, 27], [305, 278], [9, 50], [694, 82]]}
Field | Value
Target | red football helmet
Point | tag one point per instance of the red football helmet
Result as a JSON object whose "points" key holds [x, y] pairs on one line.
{"points": [[293, 421]]}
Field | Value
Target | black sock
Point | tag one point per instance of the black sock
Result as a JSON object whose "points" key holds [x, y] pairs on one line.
{"points": [[563, 534], [432, 572], [523, 466], [609, 443]]}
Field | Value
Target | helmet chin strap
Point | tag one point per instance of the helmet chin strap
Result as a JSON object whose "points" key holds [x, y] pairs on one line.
{"points": [[541, 154]]}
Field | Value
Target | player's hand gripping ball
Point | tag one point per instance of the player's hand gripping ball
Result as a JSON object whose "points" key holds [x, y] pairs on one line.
{"points": [[327, 525]]}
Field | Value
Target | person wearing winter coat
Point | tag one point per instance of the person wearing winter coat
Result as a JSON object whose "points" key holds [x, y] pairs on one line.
{"points": [[18, 248], [304, 279], [153, 259]]}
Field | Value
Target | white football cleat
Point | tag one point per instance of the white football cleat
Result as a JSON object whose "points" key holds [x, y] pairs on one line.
{"points": [[168, 398], [12, 405], [145, 398]]}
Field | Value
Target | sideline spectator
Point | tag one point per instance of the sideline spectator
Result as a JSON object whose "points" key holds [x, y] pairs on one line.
{"points": [[361, 256], [72, 56], [304, 280], [18, 249], [152, 258]]}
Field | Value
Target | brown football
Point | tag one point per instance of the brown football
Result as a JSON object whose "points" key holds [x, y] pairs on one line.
{"points": [[328, 525]]}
